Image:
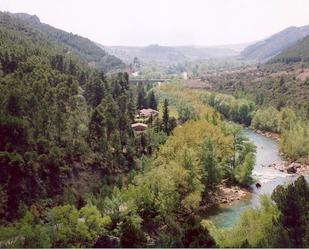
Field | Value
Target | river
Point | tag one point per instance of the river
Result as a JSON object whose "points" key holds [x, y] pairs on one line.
{"points": [[266, 153]]}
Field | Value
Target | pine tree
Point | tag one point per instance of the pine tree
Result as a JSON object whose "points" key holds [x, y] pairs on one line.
{"points": [[141, 102], [96, 129], [293, 204], [165, 118], [152, 102]]}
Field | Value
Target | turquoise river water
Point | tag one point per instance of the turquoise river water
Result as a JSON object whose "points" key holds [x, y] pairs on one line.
{"points": [[266, 153]]}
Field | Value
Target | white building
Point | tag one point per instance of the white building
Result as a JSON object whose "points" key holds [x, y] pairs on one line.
{"points": [[184, 75]]}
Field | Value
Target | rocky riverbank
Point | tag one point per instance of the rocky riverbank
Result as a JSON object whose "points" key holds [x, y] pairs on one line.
{"points": [[292, 167], [225, 196], [285, 166], [269, 134]]}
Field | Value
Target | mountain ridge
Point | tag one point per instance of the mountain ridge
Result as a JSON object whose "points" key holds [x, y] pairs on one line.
{"points": [[270, 47], [168, 55], [83, 47], [299, 52]]}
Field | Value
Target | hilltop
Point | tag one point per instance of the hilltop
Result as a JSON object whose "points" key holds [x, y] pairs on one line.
{"points": [[83, 47], [272, 46]]}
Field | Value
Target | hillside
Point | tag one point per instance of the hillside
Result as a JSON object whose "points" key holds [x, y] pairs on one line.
{"points": [[55, 112], [272, 46], [299, 52], [168, 55], [86, 49]]}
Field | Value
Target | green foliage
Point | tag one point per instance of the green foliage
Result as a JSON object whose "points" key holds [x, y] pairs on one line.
{"points": [[58, 116], [210, 166], [76, 228], [165, 118], [243, 171], [141, 101], [196, 235], [66, 227], [294, 131], [287, 119], [254, 229], [83, 47], [237, 110], [28, 232], [293, 203], [186, 112], [299, 52], [294, 141], [243, 159], [152, 102], [131, 232], [173, 182], [266, 119], [282, 223]]}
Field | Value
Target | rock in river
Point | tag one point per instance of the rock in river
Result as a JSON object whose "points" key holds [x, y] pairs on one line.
{"points": [[291, 169]]}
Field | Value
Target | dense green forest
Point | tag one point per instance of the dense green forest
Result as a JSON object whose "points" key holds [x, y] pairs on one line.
{"points": [[75, 174], [55, 110]]}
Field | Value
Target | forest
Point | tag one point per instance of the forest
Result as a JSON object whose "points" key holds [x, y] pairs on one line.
{"points": [[74, 173]]}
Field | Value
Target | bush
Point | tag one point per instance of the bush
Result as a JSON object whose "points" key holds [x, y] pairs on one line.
{"points": [[266, 119], [294, 142]]}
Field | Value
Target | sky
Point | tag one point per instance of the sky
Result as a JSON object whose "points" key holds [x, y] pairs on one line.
{"points": [[167, 22]]}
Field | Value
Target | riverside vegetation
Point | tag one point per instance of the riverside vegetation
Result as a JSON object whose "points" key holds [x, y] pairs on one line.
{"points": [[75, 174]]}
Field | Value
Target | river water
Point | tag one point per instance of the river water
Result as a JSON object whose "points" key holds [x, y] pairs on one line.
{"points": [[266, 153]]}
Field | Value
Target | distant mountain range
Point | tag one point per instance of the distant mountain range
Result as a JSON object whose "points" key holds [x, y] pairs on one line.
{"points": [[83, 47], [286, 46], [260, 51], [274, 45], [166, 55]]}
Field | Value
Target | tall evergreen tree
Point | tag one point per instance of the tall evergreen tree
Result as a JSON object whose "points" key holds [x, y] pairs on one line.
{"points": [[293, 203], [165, 118], [152, 102], [141, 101]]}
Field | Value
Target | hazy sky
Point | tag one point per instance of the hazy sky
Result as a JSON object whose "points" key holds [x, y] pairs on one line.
{"points": [[167, 22]]}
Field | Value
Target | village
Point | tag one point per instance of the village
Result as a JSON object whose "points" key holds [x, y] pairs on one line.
{"points": [[143, 116]]}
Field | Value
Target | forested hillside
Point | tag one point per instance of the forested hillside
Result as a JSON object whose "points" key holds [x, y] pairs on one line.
{"points": [[266, 49], [299, 52], [276, 84], [55, 110], [86, 49]]}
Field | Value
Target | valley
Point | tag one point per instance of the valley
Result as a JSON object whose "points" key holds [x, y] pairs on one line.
{"points": [[152, 146]]}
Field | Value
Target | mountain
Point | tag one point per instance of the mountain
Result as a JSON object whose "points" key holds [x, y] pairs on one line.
{"points": [[299, 52], [168, 55], [238, 47], [83, 47], [272, 46], [53, 104]]}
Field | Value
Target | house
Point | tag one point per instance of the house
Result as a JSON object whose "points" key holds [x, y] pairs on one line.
{"points": [[135, 74], [139, 127], [148, 112], [184, 75]]}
